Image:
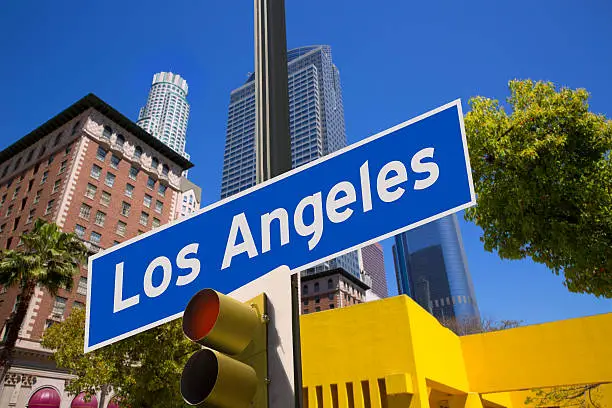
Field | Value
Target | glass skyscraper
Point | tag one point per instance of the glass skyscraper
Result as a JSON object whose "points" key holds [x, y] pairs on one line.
{"points": [[431, 267], [166, 113], [316, 114]]}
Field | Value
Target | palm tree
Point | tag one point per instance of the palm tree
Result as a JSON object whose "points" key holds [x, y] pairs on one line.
{"points": [[50, 258]]}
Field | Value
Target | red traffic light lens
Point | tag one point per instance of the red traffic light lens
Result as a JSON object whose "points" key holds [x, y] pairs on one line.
{"points": [[201, 315]]}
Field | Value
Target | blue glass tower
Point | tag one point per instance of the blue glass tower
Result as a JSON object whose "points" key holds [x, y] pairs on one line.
{"points": [[316, 115], [431, 267]]}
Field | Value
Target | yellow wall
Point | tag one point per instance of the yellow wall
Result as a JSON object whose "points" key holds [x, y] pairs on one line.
{"points": [[392, 353]]}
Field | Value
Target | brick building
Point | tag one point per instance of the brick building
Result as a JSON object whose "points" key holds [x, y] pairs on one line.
{"points": [[331, 290], [93, 172]]}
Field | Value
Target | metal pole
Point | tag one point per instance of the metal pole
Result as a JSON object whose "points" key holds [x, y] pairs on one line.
{"points": [[273, 140]]}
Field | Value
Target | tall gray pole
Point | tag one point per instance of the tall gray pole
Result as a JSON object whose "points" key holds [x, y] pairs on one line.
{"points": [[273, 140]]}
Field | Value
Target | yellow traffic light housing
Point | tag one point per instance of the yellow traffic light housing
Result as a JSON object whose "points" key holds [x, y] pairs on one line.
{"points": [[231, 371]]}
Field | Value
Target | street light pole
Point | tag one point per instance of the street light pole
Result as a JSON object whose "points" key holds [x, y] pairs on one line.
{"points": [[273, 140]]}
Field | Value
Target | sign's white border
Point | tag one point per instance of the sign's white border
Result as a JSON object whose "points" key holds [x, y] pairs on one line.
{"points": [[472, 202]]}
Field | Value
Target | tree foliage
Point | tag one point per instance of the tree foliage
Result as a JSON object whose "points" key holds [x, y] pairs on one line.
{"points": [[49, 258], [463, 327], [582, 396], [143, 370], [543, 178]]}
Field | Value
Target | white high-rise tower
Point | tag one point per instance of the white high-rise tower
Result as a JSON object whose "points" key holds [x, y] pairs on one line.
{"points": [[166, 113]]}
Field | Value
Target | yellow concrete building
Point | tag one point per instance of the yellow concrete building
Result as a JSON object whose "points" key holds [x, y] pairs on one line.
{"points": [[391, 353]]}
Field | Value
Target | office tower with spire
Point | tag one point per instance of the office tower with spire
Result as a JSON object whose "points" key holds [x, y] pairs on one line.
{"points": [[317, 128], [431, 267], [166, 113]]}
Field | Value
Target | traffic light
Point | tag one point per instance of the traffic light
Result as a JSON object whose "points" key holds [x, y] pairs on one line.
{"points": [[231, 370]]}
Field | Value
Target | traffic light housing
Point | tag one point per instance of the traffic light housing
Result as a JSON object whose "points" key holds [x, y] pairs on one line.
{"points": [[231, 370]]}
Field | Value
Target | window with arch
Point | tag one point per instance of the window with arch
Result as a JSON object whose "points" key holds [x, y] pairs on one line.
{"points": [[138, 152], [155, 163], [165, 170], [330, 284], [30, 154], [120, 140], [75, 127], [58, 139], [107, 132]]}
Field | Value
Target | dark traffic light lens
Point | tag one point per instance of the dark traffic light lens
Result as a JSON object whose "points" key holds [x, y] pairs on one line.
{"points": [[201, 314], [199, 376]]}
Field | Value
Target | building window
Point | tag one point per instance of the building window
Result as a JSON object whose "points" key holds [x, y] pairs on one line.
{"points": [[150, 183], [332, 306], [107, 132], [58, 138], [44, 177], [59, 306], [137, 152], [155, 223], [120, 140], [49, 207], [75, 127], [144, 218], [101, 154], [317, 299], [63, 167], [330, 284], [85, 211], [162, 190], [79, 230], [159, 206], [67, 151], [78, 305], [100, 217], [317, 309], [56, 186], [110, 179], [316, 286], [330, 296], [129, 190], [82, 287], [2, 200], [115, 160], [50, 160], [95, 237], [165, 170], [133, 173], [105, 198], [305, 290], [305, 302], [125, 209], [121, 227], [155, 163], [90, 192], [37, 197], [96, 171], [147, 200], [30, 216]]}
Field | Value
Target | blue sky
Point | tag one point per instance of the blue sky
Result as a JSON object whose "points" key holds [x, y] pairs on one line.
{"points": [[397, 59]]}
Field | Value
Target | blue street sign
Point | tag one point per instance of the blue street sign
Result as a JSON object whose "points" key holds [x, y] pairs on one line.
{"points": [[399, 179]]}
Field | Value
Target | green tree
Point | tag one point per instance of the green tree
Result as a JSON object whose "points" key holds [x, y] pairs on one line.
{"points": [[143, 370], [543, 178], [50, 258]]}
